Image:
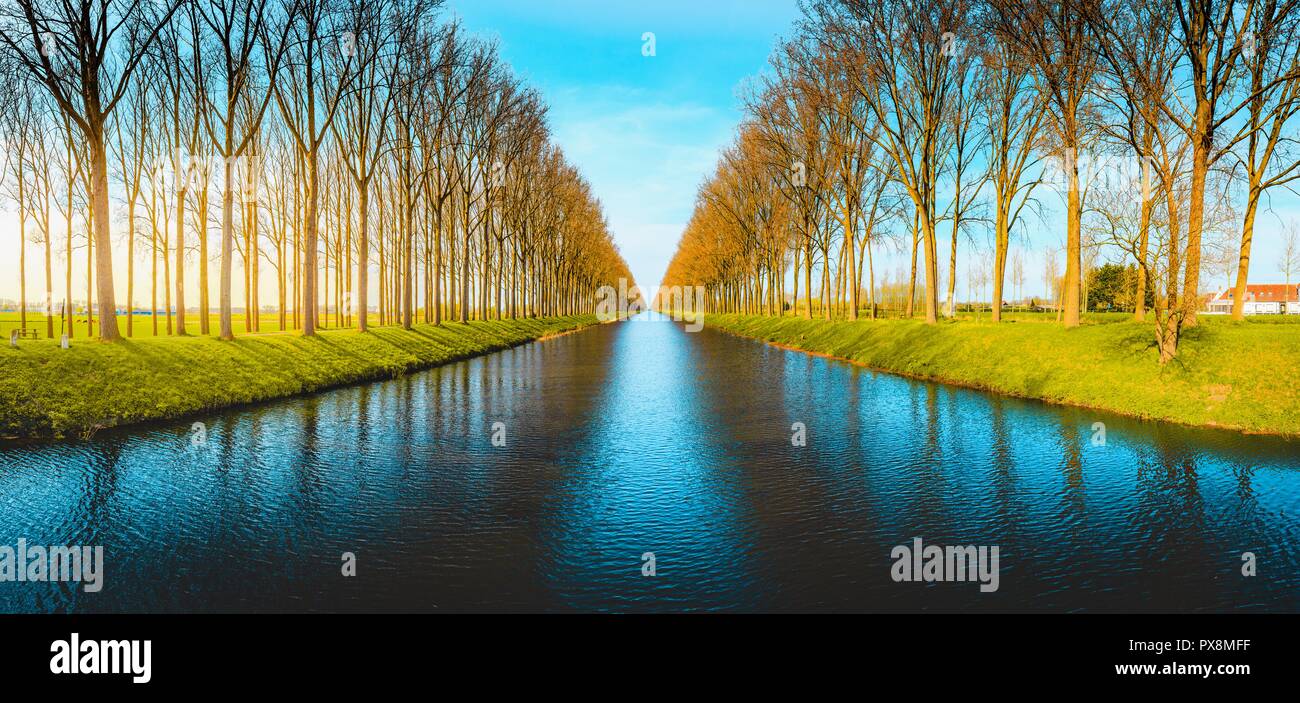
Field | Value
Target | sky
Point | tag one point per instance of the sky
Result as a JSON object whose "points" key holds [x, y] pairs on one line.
{"points": [[643, 130]]}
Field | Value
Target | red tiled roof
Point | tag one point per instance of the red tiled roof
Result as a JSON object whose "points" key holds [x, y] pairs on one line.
{"points": [[1266, 293]]}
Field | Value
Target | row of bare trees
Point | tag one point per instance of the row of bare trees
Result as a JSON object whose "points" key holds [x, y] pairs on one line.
{"points": [[348, 146], [916, 124]]}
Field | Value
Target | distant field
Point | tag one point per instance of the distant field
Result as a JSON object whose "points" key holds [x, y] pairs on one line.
{"points": [[1029, 316], [143, 324]]}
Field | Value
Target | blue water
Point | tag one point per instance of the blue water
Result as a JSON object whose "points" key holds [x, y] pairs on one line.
{"points": [[642, 437]]}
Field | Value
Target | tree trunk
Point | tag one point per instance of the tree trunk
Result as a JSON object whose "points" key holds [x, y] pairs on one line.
{"points": [[130, 267], [871, 280], [1073, 253], [911, 281], [931, 271], [309, 302], [227, 249], [201, 218], [1002, 236], [1144, 241], [408, 263], [22, 259], [852, 264], [807, 275], [180, 254], [103, 239], [70, 327], [363, 257], [1196, 212], [1243, 259], [167, 272], [153, 262], [90, 276], [826, 282], [49, 271]]}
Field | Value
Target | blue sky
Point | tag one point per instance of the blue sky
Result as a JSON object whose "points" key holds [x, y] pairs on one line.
{"points": [[643, 130], [646, 130]]}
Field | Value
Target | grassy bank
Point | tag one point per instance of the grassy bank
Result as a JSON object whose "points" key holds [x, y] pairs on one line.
{"points": [[1239, 375], [48, 392]]}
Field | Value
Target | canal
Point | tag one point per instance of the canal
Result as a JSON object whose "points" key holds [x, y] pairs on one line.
{"points": [[545, 476]]}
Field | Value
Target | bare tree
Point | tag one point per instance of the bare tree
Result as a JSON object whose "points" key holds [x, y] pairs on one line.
{"points": [[131, 148], [790, 127], [1288, 264], [906, 63], [18, 124], [232, 107], [1268, 158], [319, 66], [1013, 115], [362, 131], [85, 52], [1051, 36], [966, 138], [1213, 38]]}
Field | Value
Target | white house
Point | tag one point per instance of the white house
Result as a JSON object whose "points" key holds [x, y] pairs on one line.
{"points": [[1261, 299]]}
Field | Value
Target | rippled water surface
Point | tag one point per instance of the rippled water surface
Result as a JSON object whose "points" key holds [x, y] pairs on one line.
{"points": [[641, 437]]}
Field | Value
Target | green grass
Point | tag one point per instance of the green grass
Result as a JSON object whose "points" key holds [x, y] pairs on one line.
{"points": [[48, 392], [1238, 375]]}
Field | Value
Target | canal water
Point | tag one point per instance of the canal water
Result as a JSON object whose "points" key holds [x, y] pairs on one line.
{"points": [[543, 477]]}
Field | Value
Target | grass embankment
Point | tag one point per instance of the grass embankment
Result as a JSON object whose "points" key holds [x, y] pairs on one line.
{"points": [[48, 392], [1238, 375]]}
